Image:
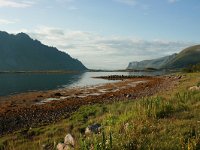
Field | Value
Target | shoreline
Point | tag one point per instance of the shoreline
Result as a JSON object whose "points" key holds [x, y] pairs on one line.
{"points": [[30, 109]]}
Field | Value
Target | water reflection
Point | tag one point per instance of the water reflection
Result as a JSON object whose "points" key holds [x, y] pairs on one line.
{"points": [[18, 83]]}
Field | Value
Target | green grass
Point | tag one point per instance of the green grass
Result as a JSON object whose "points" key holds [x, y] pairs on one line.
{"points": [[168, 120], [198, 84]]}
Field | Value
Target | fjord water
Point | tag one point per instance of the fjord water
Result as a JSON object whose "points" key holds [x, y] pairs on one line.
{"points": [[12, 83]]}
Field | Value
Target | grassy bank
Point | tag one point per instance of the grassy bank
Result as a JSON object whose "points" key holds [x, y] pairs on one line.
{"points": [[168, 120]]}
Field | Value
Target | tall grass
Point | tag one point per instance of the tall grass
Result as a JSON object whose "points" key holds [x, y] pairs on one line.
{"points": [[138, 126]]}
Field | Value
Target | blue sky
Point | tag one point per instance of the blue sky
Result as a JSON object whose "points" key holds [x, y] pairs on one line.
{"points": [[106, 34]]}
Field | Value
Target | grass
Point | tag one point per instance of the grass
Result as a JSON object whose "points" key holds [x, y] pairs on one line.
{"points": [[192, 68], [168, 120], [198, 84]]}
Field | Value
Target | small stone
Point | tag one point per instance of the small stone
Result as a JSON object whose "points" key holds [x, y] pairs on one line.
{"points": [[194, 88], [128, 95], [58, 94], [39, 96], [60, 146], [69, 140], [179, 77]]}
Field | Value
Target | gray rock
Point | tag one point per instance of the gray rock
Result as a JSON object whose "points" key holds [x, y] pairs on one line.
{"points": [[95, 128]]}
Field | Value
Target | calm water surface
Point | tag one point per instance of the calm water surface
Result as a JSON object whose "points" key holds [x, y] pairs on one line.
{"points": [[19, 83]]}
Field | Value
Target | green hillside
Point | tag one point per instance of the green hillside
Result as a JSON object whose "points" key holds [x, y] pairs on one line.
{"points": [[187, 57]]}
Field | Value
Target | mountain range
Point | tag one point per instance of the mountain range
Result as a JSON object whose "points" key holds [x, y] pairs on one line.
{"points": [[21, 53], [187, 57]]}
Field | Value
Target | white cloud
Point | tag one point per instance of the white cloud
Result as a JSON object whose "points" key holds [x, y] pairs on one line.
{"points": [[6, 22], [14, 4], [128, 2], [102, 52]]}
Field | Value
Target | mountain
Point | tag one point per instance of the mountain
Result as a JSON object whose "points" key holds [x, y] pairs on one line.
{"points": [[151, 64], [21, 53], [186, 57]]}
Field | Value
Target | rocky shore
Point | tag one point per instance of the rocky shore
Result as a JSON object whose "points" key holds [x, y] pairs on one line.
{"points": [[120, 77], [40, 108]]}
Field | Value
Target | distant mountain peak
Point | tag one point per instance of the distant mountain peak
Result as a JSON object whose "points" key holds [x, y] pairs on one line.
{"points": [[3, 34], [22, 34]]}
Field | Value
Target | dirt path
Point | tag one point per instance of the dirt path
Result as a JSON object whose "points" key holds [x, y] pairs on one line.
{"points": [[40, 108]]}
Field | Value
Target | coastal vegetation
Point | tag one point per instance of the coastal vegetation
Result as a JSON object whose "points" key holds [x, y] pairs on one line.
{"points": [[192, 68], [167, 120]]}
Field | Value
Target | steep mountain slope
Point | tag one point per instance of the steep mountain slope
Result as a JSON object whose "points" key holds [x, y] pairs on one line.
{"points": [[185, 58], [21, 53], [154, 63]]}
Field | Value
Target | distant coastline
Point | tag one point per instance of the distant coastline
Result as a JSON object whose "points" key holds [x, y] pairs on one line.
{"points": [[76, 71]]}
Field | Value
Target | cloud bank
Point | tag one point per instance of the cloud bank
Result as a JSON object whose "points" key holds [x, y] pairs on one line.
{"points": [[102, 52], [6, 22], [14, 4]]}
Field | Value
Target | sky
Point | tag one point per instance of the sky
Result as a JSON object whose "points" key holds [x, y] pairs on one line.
{"points": [[106, 34]]}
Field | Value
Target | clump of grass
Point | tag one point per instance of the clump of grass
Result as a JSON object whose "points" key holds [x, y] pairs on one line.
{"points": [[85, 112], [198, 84], [3, 144], [100, 142], [191, 140], [192, 68], [157, 107]]}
